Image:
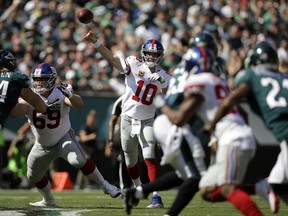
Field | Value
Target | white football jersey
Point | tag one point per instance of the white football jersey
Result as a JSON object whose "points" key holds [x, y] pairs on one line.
{"points": [[213, 89], [231, 129], [139, 94], [49, 128]]}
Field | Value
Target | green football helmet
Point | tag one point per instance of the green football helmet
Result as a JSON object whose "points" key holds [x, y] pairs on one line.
{"points": [[204, 39], [7, 60], [263, 54]]}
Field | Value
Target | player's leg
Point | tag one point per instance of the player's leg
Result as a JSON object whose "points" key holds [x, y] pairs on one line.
{"points": [[190, 165], [129, 145], [264, 190], [74, 154], [132, 195], [181, 157], [238, 159], [147, 143], [221, 179], [278, 177], [186, 192], [39, 160]]}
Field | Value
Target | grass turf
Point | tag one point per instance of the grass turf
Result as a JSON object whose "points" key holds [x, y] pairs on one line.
{"points": [[94, 202]]}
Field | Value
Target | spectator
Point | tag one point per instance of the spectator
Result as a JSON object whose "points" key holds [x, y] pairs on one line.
{"points": [[113, 145], [15, 172], [88, 140]]}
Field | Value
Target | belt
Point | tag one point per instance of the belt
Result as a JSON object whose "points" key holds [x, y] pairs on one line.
{"points": [[128, 118]]}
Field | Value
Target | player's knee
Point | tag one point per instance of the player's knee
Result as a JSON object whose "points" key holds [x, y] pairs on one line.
{"points": [[78, 163], [33, 178]]}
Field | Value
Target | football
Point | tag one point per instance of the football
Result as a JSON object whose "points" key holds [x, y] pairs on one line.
{"points": [[85, 16]]}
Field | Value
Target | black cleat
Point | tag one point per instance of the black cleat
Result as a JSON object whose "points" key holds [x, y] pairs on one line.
{"points": [[129, 199]]}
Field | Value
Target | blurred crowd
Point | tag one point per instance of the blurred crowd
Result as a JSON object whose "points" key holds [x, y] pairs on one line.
{"points": [[48, 31]]}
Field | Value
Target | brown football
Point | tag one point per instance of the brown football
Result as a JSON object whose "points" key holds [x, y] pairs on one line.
{"points": [[85, 16]]}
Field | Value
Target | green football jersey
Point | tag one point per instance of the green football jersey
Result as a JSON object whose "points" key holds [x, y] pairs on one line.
{"points": [[11, 84], [174, 98], [268, 98]]}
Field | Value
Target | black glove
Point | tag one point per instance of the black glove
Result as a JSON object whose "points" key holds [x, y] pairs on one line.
{"points": [[66, 89]]}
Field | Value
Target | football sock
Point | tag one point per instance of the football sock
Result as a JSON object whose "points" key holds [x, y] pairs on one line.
{"points": [[42, 183], [244, 203], [88, 167], [96, 176], [46, 190], [164, 182], [216, 196], [134, 173], [136, 182], [185, 193], [139, 193], [152, 168]]}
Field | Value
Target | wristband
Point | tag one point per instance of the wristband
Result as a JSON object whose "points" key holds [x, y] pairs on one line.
{"points": [[97, 44]]}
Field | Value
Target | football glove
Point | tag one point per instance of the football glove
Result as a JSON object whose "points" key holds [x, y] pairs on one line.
{"points": [[159, 101], [213, 140], [156, 77], [53, 106], [66, 89]]}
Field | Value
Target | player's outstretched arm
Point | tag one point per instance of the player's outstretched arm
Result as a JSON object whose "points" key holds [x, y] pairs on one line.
{"points": [[104, 51], [20, 110], [75, 101], [71, 99], [34, 99]]}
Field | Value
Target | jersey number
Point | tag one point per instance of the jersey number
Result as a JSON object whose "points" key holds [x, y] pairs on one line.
{"points": [[40, 122], [273, 99], [144, 99], [222, 92], [3, 90]]}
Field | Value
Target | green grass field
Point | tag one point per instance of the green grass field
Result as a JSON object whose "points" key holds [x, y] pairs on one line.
{"points": [[94, 202]]}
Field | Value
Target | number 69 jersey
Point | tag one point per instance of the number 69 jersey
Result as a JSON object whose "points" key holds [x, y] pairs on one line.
{"points": [[139, 94], [268, 97], [49, 128]]}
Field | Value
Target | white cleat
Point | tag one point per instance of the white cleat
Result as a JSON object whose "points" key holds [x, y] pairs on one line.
{"points": [[156, 202], [264, 190], [112, 190], [45, 203]]}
